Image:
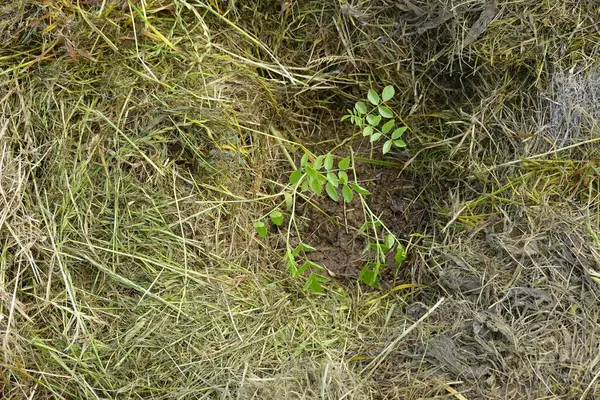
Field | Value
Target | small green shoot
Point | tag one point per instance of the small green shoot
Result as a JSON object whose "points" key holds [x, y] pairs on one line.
{"points": [[368, 120], [371, 270], [315, 279]]}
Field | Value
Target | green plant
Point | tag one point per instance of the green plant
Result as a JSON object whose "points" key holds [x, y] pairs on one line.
{"points": [[370, 120], [296, 260], [321, 172], [315, 279], [381, 247], [311, 176]]}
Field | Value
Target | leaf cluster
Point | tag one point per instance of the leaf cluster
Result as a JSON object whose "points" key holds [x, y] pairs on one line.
{"points": [[378, 122]]}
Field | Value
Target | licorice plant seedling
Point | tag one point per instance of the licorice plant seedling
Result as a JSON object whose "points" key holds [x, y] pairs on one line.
{"points": [[318, 174]]}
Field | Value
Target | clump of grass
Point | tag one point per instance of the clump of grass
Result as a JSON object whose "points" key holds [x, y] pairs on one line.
{"points": [[129, 266]]}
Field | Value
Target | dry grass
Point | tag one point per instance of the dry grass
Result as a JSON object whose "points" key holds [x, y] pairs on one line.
{"points": [[136, 151]]}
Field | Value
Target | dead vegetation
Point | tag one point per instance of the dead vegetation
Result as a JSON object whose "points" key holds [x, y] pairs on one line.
{"points": [[136, 152]]}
